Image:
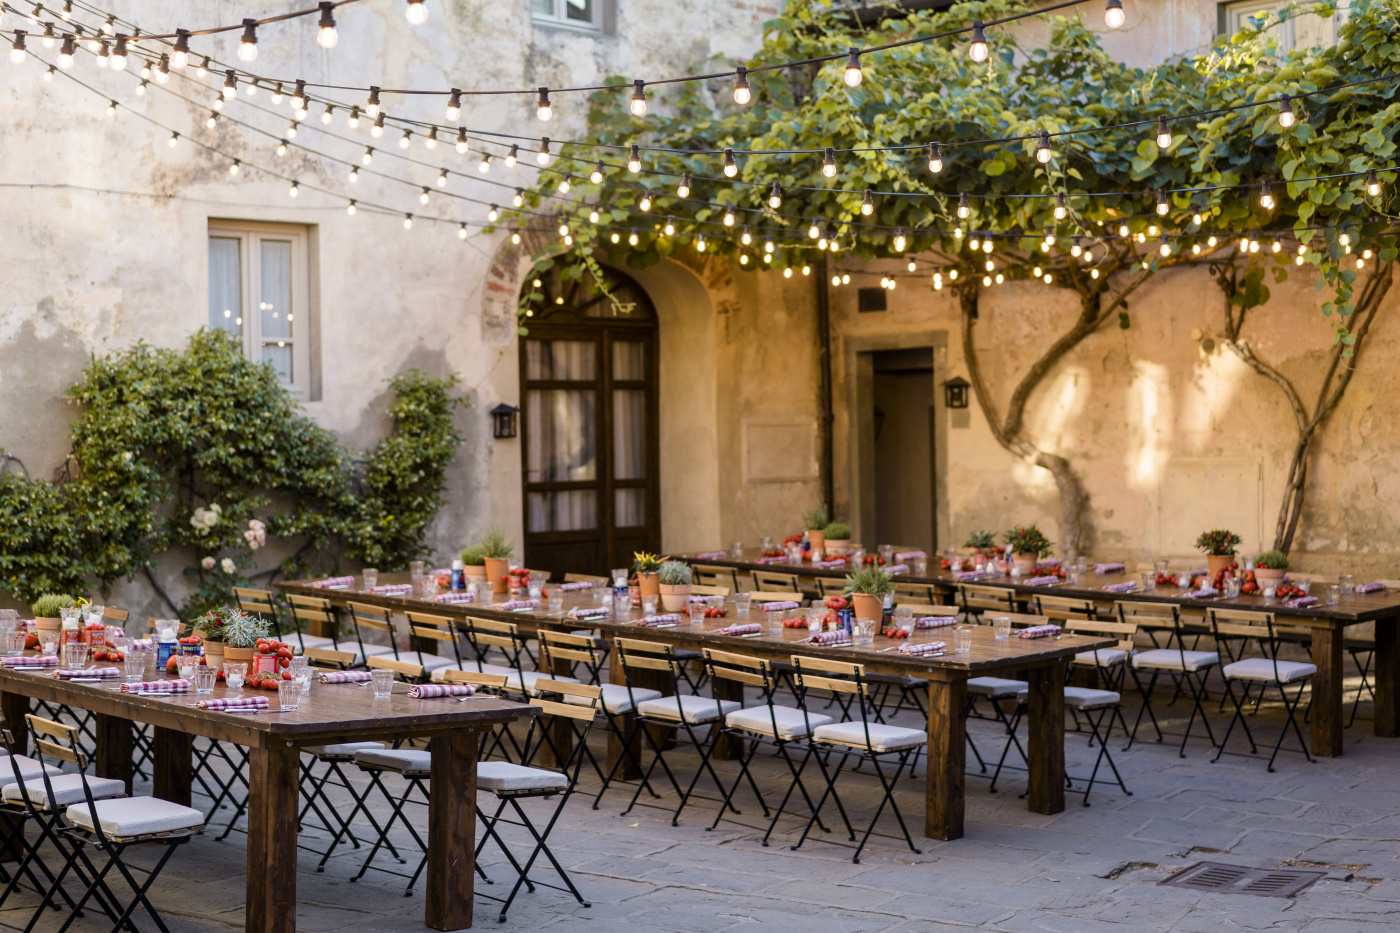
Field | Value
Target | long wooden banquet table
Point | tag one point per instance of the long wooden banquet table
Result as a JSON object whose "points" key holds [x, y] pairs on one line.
{"points": [[1328, 625], [1041, 662], [331, 714]]}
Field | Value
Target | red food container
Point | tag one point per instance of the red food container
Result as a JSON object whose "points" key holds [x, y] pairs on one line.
{"points": [[264, 663]]}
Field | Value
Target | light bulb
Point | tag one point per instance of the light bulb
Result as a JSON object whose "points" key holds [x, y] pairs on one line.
{"points": [[731, 168], [991, 266], [836, 280], [822, 242], [746, 237], [1266, 197], [292, 191], [899, 240], [638, 105], [408, 221], [1151, 229], [233, 169], [1164, 133], [814, 230], [729, 217], [461, 231], [406, 139], [417, 12], [787, 273], [700, 243], [111, 108], [616, 238], [829, 163], [594, 216], [117, 61], [174, 140], [1195, 249], [977, 50], [291, 130], [328, 114], [1036, 272], [986, 280], [596, 176], [485, 165], [542, 108], [515, 237], [964, 209], [632, 238], [1061, 207], [109, 28], [1278, 247], [1373, 183], [1113, 15], [974, 244], [65, 53], [1286, 118], [181, 56], [742, 95], [1344, 238], [371, 105], [1165, 249], [326, 36], [424, 195], [454, 105], [867, 203], [1163, 205], [354, 174], [67, 13], [248, 45], [1043, 153], [230, 88], [17, 51], [368, 157], [952, 275], [211, 120], [669, 229], [987, 245], [683, 189], [519, 199], [204, 66], [461, 143], [935, 158], [775, 196], [645, 202], [163, 69], [542, 156], [353, 121], [1253, 243], [282, 148], [913, 266], [376, 128], [104, 53], [564, 185], [853, 75], [1075, 249], [634, 159]]}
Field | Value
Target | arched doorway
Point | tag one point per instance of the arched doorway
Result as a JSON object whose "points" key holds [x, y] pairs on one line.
{"points": [[590, 455]]}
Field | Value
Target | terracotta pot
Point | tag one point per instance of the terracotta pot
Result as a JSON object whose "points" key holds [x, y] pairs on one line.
{"points": [[1218, 563], [816, 539], [496, 568], [1025, 561], [214, 654], [475, 573], [868, 607], [1271, 577], [47, 625], [675, 598], [836, 547], [239, 655], [649, 583]]}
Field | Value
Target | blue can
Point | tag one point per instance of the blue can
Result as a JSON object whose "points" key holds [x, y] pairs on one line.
{"points": [[847, 617], [622, 599]]}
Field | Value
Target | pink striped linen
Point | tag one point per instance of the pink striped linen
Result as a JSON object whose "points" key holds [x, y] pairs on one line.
{"points": [[1301, 602], [771, 560], [833, 639], [234, 703], [969, 576], [1109, 568], [908, 555], [345, 677], [512, 605], [1129, 587], [392, 589], [935, 621], [779, 606], [1368, 587], [1205, 592], [898, 568], [594, 612], [92, 673], [155, 687], [922, 649], [30, 660], [834, 564], [740, 628], [711, 555], [1038, 631], [669, 618], [433, 691], [333, 582], [458, 597], [1041, 581], [570, 587]]}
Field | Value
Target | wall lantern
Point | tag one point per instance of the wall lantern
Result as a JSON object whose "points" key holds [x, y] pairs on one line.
{"points": [[503, 421], [955, 392]]}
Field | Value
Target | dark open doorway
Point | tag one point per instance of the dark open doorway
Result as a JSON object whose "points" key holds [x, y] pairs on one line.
{"points": [[904, 485]]}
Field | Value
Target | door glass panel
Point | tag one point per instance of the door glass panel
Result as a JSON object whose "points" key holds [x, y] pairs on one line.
{"points": [[567, 510], [629, 434], [561, 435], [275, 305], [630, 506], [225, 285], [555, 360], [629, 361]]}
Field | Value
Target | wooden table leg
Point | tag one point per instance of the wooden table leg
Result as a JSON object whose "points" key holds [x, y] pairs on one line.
{"points": [[13, 708], [628, 770], [174, 765], [1387, 678], [452, 831], [1327, 692], [727, 747], [947, 757], [114, 748], [1046, 738], [273, 773]]}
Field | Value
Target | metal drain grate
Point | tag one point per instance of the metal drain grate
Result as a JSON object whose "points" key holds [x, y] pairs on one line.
{"points": [[1233, 879]]}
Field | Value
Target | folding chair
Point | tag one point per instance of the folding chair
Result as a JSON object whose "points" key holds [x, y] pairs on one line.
{"points": [[726, 577], [868, 741], [700, 589], [583, 578], [111, 614], [1110, 664], [579, 647], [364, 617], [264, 603], [916, 593], [1264, 672], [23, 802], [106, 825], [1356, 647], [776, 596], [309, 610], [507, 637], [1188, 669], [439, 635], [770, 580], [978, 599]]}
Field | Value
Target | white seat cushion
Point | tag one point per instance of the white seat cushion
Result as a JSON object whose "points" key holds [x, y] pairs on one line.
{"points": [[28, 768], [1263, 669], [760, 719], [687, 706], [126, 817], [67, 790], [883, 738], [1083, 697], [396, 759], [995, 687], [1104, 657], [311, 641], [1171, 659], [502, 775], [433, 662], [344, 749], [615, 698]]}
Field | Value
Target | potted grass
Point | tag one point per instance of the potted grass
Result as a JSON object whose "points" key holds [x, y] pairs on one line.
{"points": [[647, 566], [1219, 547], [836, 539], [474, 563], [868, 589], [232, 634], [979, 542], [1270, 567], [496, 554], [815, 521], [1028, 545], [674, 580], [47, 608]]}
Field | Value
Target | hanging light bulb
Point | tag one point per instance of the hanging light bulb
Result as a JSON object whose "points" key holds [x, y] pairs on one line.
{"points": [[326, 36], [66, 51], [913, 266], [700, 243], [638, 104], [542, 155], [67, 13], [746, 237], [829, 163], [1163, 205], [417, 12], [485, 165], [632, 238], [368, 157], [814, 230], [1345, 239], [1113, 15], [408, 221], [729, 217], [371, 105], [1043, 153], [282, 147], [645, 202], [1211, 241], [515, 237], [212, 120], [204, 65], [1123, 230], [731, 168], [1164, 134], [768, 244], [669, 229], [1061, 207], [1151, 229], [354, 174], [180, 57], [775, 196], [49, 36], [174, 140], [853, 75], [233, 168], [1373, 184], [431, 140], [867, 203], [104, 51], [1165, 248], [1075, 249], [683, 189], [1277, 247], [406, 139], [1254, 243], [596, 176], [742, 95], [111, 108], [109, 28], [292, 191], [513, 156], [564, 229], [987, 244], [542, 108], [1286, 117], [564, 184], [1195, 249], [974, 244], [1035, 272], [822, 241], [594, 216], [634, 159], [248, 45], [964, 209], [461, 143], [978, 50], [17, 50], [899, 240], [1266, 197], [424, 195], [935, 158], [519, 199]]}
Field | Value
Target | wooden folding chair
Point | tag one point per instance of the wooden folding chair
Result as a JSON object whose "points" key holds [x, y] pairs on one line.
{"points": [[978, 599], [1267, 671], [1187, 668], [726, 577], [774, 581]]}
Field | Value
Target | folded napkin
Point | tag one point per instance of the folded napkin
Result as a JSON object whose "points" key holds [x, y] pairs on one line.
{"points": [[922, 648], [669, 618], [95, 673], [1050, 580], [1301, 602], [771, 560], [1205, 592], [344, 677], [140, 644], [234, 703], [779, 606], [908, 555], [511, 605], [591, 612], [828, 639], [1038, 631], [967, 576], [432, 691], [1047, 563], [1368, 587], [1109, 568], [30, 661], [934, 621], [836, 563], [1198, 571], [461, 596], [711, 555], [157, 686], [740, 628], [570, 587], [330, 582], [898, 568], [392, 589], [1127, 587]]}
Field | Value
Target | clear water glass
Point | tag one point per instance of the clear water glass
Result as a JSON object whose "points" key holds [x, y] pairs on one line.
{"points": [[204, 677], [427, 585], [918, 566], [1149, 581], [1304, 584], [741, 603], [416, 568], [556, 600], [1001, 626], [289, 692], [736, 550], [235, 673], [14, 644], [1347, 582], [815, 619], [485, 592], [649, 604], [863, 631], [955, 565], [301, 673], [1162, 566], [714, 602], [1232, 587], [371, 577], [134, 665], [383, 683], [48, 644], [697, 613], [962, 639], [856, 557], [619, 577], [1332, 594], [767, 543], [186, 664], [599, 588], [903, 617], [1081, 563], [773, 620], [75, 656], [887, 552], [537, 582], [93, 614]]}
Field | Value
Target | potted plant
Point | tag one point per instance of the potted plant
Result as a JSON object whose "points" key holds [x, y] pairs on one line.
{"points": [[867, 589], [1219, 547], [496, 553], [474, 563], [674, 579], [815, 521], [1028, 546], [836, 539], [979, 541], [232, 634], [47, 608], [647, 566], [1270, 567]]}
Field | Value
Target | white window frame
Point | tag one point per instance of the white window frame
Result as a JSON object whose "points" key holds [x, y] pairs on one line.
{"points": [[558, 18], [1287, 32], [250, 236]]}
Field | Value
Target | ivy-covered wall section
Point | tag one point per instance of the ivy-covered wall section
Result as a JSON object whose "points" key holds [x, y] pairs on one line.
{"points": [[200, 452]]}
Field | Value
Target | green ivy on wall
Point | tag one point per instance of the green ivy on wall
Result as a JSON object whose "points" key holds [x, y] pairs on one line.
{"points": [[201, 451]]}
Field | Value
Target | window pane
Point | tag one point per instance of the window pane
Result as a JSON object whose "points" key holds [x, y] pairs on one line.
{"points": [[545, 7], [629, 360], [225, 285], [569, 510], [279, 354], [579, 11], [561, 434], [629, 434], [560, 359], [275, 298], [630, 506]]}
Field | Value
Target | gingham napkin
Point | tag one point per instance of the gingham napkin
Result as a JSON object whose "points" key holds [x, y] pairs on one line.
{"points": [[1128, 587], [923, 648], [331, 582], [345, 677], [834, 639], [433, 691], [898, 568], [1038, 631], [233, 703], [968, 576], [157, 686], [1109, 568], [392, 589], [935, 621], [908, 555], [511, 605], [1042, 581], [771, 560], [835, 563], [593, 612], [1205, 592], [1301, 602], [740, 628], [570, 587], [669, 618], [458, 597], [1368, 587], [92, 673], [711, 555], [31, 661], [779, 607]]}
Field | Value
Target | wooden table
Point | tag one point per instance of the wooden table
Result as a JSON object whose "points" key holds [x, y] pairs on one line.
{"points": [[332, 713], [1040, 661], [1328, 625]]}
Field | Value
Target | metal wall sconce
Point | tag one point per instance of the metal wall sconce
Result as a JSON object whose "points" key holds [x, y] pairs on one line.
{"points": [[955, 392], [504, 421]]}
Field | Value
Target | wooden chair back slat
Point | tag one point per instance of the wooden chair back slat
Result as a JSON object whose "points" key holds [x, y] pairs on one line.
{"points": [[495, 681], [114, 614], [701, 589], [770, 580], [566, 688], [924, 609], [582, 578], [51, 727], [740, 668], [403, 668], [775, 596], [59, 752], [340, 660], [567, 710], [826, 665]]}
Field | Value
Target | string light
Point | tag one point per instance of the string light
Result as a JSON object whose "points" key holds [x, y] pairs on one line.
{"points": [[746, 237], [354, 174], [326, 36], [829, 163], [542, 156], [117, 60], [814, 230], [462, 145], [1286, 117], [292, 191], [17, 50], [417, 12], [775, 196], [424, 195], [248, 45], [594, 216], [49, 36], [731, 168], [634, 159], [645, 202], [493, 214], [964, 209], [1164, 134], [542, 108], [109, 28], [596, 176], [899, 240], [180, 57], [515, 237], [408, 221], [1043, 152], [638, 105], [212, 120], [519, 199], [1162, 204], [233, 169], [376, 128], [1113, 15], [66, 52], [683, 189], [461, 231], [485, 165], [104, 52], [328, 114], [935, 158], [204, 66], [1165, 249], [431, 140], [977, 50], [1266, 197], [669, 229], [729, 217], [353, 121], [140, 88], [406, 139], [1373, 184], [368, 157], [700, 243], [564, 183], [67, 13], [632, 238], [111, 108], [174, 140], [282, 148], [853, 74], [371, 105], [742, 95], [867, 203], [1061, 208]]}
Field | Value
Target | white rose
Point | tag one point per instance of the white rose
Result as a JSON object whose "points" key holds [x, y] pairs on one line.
{"points": [[127, 456], [210, 519], [207, 563], [228, 565], [215, 508]]}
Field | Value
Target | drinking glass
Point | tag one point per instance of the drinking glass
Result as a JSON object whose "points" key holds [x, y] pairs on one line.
{"points": [[767, 544], [962, 639], [1161, 566], [649, 604], [955, 565], [773, 620], [887, 552], [794, 554], [1183, 581], [619, 577], [741, 603], [235, 672], [75, 656], [1304, 584], [48, 644], [1072, 576], [204, 677], [134, 666], [485, 593], [856, 557], [371, 577], [1347, 582], [1149, 581], [815, 619], [14, 644], [904, 617], [864, 631], [427, 586], [556, 600], [93, 614], [1081, 564], [537, 581], [301, 673], [599, 588], [1001, 626], [919, 566], [383, 683], [1232, 587], [289, 691], [697, 613], [1332, 594], [416, 568], [736, 550], [186, 665], [10, 616], [121, 642]]}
